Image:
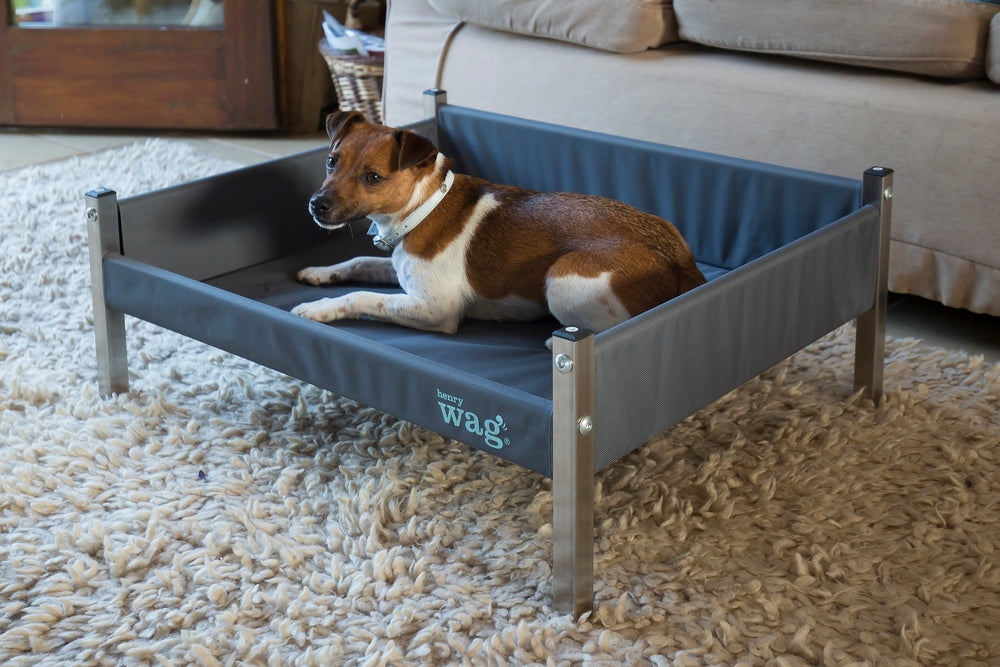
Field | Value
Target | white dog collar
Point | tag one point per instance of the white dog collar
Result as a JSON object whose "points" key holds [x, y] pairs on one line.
{"points": [[389, 240]]}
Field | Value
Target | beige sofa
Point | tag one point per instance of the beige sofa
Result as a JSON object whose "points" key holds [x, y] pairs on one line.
{"points": [[830, 85]]}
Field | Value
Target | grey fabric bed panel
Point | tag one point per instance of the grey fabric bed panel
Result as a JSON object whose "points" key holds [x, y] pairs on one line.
{"points": [[407, 373], [656, 369], [222, 223], [731, 211]]}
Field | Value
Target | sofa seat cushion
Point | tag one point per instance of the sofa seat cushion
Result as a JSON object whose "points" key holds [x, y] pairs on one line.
{"points": [[622, 26], [946, 38]]}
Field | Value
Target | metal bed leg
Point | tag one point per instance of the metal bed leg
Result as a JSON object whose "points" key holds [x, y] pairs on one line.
{"points": [[109, 325], [434, 99], [573, 470], [869, 351]]}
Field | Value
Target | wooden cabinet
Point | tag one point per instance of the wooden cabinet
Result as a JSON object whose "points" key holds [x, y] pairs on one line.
{"points": [[214, 77]]}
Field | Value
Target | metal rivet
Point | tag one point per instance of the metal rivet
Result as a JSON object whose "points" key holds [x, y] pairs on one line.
{"points": [[572, 329], [888, 193], [564, 364], [585, 425], [91, 214]]}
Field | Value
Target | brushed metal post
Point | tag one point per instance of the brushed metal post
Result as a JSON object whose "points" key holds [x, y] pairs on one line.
{"points": [[109, 325], [434, 99], [573, 470], [869, 351]]}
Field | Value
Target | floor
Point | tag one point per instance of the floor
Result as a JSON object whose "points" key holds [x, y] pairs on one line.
{"points": [[23, 147], [908, 316]]}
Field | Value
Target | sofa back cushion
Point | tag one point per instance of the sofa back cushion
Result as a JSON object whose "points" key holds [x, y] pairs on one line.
{"points": [[946, 38], [623, 26]]}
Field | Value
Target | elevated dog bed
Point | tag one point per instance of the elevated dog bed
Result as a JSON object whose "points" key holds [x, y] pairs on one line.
{"points": [[790, 255]]}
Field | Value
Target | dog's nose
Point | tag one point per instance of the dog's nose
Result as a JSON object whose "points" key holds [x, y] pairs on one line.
{"points": [[320, 204]]}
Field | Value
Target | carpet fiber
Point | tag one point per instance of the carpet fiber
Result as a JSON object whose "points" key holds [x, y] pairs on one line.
{"points": [[220, 513]]}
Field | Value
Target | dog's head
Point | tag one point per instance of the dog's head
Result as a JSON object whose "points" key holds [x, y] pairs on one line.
{"points": [[371, 169]]}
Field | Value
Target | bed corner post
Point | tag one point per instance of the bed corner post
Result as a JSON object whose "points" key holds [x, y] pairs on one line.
{"points": [[434, 99], [109, 325], [869, 352], [573, 470]]}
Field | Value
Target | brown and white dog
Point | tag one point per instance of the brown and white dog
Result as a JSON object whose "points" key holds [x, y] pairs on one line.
{"points": [[464, 247]]}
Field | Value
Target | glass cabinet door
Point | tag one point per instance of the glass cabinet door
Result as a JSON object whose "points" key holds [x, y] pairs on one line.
{"points": [[67, 13], [193, 64]]}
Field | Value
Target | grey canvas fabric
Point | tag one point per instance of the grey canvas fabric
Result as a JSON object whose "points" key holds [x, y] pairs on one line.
{"points": [[660, 367], [410, 374]]}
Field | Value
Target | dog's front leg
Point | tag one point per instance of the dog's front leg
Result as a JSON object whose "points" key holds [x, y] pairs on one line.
{"points": [[401, 309], [365, 269]]}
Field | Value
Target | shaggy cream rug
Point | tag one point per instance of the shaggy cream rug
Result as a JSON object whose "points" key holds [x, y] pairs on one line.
{"points": [[223, 514]]}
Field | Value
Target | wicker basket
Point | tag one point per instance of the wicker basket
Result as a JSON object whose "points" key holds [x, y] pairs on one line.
{"points": [[358, 80]]}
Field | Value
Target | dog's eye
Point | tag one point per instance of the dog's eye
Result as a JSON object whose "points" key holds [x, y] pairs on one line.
{"points": [[372, 178], [331, 163]]}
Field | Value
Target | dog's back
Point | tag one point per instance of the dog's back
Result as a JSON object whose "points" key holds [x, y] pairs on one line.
{"points": [[590, 261]]}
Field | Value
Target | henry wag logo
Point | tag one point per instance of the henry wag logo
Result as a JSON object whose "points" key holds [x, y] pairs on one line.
{"points": [[454, 414]]}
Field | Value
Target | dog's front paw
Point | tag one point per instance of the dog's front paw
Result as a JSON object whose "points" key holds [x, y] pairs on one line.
{"points": [[323, 310], [318, 275]]}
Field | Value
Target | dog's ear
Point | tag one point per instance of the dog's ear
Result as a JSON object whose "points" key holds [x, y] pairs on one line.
{"points": [[413, 149], [339, 122]]}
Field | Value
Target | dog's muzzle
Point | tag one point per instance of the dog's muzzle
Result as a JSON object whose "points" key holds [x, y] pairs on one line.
{"points": [[320, 206]]}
